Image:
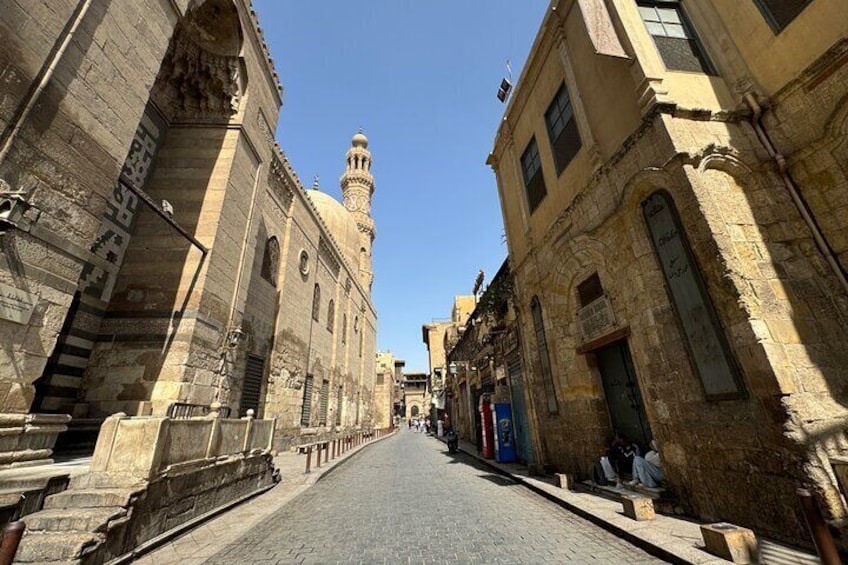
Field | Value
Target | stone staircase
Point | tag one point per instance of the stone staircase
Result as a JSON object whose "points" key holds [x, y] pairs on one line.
{"points": [[74, 522], [664, 502]]}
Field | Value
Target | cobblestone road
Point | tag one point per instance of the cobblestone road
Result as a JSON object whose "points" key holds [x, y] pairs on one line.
{"points": [[405, 500]]}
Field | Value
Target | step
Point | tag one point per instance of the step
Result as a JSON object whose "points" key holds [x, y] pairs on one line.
{"points": [[88, 498], [73, 519], [62, 562], [38, 546]]}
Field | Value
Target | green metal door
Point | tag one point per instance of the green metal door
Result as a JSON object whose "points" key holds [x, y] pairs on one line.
{"points": [[624, 399]]}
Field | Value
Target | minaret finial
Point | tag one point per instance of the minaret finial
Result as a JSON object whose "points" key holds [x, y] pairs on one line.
{"points": [[315, 180]]}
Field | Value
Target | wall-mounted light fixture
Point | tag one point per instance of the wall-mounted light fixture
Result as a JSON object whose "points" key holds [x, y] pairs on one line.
{"points": [[13, 205]]}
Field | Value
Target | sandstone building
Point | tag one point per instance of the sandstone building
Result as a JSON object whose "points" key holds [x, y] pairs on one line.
{"points": [[388, 396], [485, 359], [158, 252], [674, 185], [436, 336]]}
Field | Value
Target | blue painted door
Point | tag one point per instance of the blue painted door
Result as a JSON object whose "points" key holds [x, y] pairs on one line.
{"points": [[519, 413]]}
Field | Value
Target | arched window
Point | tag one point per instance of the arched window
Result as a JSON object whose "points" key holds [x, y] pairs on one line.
{"points": [[344, 328], [414, 411], [544, 356], [316, 302], [271, 261], [363, 255], [331, 316]]}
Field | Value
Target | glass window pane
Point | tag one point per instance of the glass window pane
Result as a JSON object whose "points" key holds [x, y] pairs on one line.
{"points": [[648, 13], [675, 30], [669, 15], [655, 29]]}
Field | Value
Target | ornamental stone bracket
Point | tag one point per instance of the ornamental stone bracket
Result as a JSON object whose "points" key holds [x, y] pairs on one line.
{"points": [[197, 84], [367, 228], [280, 182]]}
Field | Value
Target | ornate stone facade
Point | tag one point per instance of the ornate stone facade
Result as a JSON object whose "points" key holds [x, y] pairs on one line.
{"points": [[161, 230]]}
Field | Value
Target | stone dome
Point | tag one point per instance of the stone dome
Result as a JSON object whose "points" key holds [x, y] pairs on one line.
{"points": [[341, 224], [359, 140]]}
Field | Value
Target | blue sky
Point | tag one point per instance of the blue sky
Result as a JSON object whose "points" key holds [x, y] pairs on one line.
{"points": [[420, 78]]}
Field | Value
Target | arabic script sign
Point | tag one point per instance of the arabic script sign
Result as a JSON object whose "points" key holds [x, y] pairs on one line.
{"points": [[707, 344], [16, 305]]}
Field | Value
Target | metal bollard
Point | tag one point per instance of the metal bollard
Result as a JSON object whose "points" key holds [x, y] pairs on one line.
{"points": [[308, 458], [825, 546], [334, 450], [318, 463], [12, 534]]}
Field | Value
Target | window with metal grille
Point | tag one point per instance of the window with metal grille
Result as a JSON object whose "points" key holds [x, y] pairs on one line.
{"points": [[325, 399], [344, 328], [780, 13], [316, 302], [534, 182], [306, 409], [331, 316], [562, 129], [544, 356], [271, 261], [674, 37], [590, 290], [339, 406], [252, 384]]}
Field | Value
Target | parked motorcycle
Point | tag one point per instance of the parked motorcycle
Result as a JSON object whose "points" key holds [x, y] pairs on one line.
{"points": [[453, 441]]}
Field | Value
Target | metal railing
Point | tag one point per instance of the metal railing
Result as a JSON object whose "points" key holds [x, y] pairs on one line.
{"points": [[336, 447], [184, 410]]}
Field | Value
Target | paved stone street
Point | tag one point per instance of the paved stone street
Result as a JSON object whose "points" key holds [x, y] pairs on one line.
{"points": [[405, 500]]}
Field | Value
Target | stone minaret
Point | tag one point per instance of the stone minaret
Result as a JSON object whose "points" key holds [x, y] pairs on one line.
{"points": [[357, 188]]}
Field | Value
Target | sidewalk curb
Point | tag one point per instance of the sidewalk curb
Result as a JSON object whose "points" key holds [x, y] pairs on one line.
{"points": [[652, 549], [165, 537], [170, 535]]}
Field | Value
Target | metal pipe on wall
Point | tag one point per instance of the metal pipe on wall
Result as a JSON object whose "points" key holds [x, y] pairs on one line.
{"points": [[800, 204], [45, 74]]}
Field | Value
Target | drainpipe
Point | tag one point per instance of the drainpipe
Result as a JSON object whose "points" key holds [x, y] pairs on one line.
{"points": [[46, 72], [230, 345], [800, 204]]}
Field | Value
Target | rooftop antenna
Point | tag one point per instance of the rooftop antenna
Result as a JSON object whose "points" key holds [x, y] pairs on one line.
{"points": [[506, 84]]}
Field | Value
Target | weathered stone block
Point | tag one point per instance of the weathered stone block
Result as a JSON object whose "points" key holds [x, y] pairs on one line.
{"points": [[730, 542], [565, 480], [638, 508]]}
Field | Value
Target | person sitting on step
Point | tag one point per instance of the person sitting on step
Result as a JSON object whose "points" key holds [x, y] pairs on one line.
{"points": [[617, 461], [648, 470]]}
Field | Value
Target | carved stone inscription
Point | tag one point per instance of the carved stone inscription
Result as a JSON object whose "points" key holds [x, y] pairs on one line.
{"points": [[16, 305], [706, 343], [596, 318]]}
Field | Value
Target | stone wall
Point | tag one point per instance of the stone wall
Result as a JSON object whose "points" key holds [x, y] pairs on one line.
{"points": [[161, 330], [67, 153]]}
